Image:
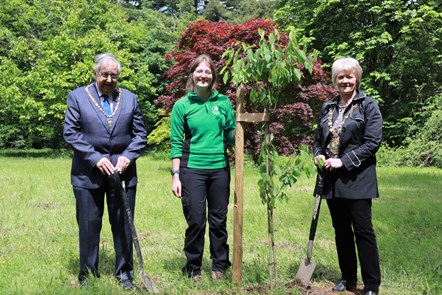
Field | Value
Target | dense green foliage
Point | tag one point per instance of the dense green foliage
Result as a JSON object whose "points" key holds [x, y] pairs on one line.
{"points": [[237, 11], [44, 58], [233, 11], [422, 150], [47, 49], [397, 42]]}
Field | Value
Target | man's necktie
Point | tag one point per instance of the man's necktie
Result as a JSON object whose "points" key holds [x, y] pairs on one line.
{"points": [[106, 105]]}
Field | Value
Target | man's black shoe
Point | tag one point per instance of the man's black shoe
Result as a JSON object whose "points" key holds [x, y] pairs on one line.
{"points": [[126, 284], [83, 282], [343, 285], [87, 278]]}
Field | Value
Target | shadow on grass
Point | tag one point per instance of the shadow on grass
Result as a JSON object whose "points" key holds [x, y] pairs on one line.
{"points": [[105, 267], [175, 265]]}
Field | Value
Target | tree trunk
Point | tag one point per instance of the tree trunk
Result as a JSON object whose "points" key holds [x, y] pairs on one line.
{"points": [[271, 237]]}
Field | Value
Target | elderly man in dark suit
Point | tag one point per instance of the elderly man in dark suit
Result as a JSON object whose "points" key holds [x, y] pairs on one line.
{"points": [[104, 127]]}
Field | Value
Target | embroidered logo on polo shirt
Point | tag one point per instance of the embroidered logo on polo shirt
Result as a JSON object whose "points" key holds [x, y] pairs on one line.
{"points": [[215, 110]]}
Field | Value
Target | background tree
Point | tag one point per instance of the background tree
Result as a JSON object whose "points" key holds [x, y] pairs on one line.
{"points": [[215, 11], [175, 8], [425, 148], [44, 58], [397, 43], [291, 122], [237, 11], [131, 3]]}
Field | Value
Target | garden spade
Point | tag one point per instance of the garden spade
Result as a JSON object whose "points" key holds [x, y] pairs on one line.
{"points": [[121, 190], [307, 267]]}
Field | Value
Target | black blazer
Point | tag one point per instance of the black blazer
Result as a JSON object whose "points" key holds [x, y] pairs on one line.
{"points": [[87, 131], [360, 139]]}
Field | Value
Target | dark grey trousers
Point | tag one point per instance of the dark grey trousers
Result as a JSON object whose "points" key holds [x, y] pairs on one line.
{"points": [[90, 209]]}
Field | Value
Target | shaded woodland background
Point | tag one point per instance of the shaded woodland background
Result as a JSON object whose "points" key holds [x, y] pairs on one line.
{"points": [[47, 49]]}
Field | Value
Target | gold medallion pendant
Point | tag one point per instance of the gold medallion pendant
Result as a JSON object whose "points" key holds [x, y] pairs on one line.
{"points": [[334, 145], [108, 117], [335, 129]]}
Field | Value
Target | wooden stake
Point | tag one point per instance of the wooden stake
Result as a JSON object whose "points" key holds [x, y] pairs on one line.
{"points": [[242, 118], [239, 189]]}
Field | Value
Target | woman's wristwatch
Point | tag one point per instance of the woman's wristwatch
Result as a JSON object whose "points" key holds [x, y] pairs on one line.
{"points": [[173, 172]]}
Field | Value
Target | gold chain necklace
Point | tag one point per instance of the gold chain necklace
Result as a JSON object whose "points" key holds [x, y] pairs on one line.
{"points": [[109, 117], [334, 142]]}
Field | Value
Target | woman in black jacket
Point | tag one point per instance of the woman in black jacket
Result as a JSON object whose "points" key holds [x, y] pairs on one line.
{"points": [[348, 136]]}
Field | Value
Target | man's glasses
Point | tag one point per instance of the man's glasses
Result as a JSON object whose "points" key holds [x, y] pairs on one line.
{"points": [[107, 75]]}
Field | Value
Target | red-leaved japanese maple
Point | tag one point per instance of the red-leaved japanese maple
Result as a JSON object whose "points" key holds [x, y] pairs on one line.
{"points": [[291, 123]]}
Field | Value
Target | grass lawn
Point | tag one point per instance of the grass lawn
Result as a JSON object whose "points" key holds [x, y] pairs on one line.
{"points": [[39, 236]]}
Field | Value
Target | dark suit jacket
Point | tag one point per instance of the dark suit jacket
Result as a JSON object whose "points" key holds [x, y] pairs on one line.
{"points": [[359, 141], [86, 130]]}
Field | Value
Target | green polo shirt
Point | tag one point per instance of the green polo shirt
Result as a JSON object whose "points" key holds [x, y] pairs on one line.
{"points": [[200, 129]]}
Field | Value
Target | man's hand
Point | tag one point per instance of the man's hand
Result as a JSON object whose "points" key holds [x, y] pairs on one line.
{"points": [[105, 166], [122, 164]]}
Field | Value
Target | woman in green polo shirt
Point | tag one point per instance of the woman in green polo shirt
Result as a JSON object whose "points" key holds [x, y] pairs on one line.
{"points": [[202, 123]]}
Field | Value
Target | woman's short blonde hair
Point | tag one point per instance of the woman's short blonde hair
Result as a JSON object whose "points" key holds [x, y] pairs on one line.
{"points": [[347, 64], [194, 64]]}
